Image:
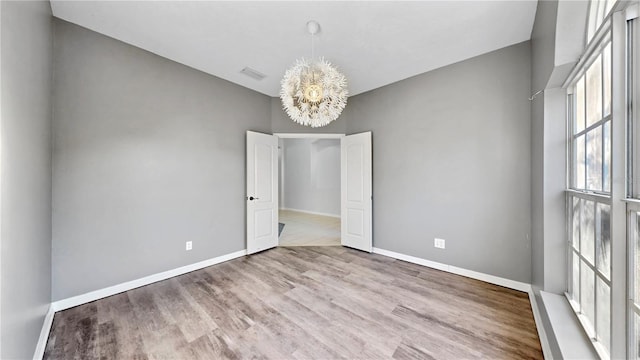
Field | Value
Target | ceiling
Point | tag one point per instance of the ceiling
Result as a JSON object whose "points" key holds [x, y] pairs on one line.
{"points": [[374, 43]]}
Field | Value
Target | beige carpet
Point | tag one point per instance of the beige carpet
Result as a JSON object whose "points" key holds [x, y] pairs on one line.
{"points": [[302, 229]]}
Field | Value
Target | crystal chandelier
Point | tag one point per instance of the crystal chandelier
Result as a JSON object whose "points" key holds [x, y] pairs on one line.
{"points": [[313, 92]]}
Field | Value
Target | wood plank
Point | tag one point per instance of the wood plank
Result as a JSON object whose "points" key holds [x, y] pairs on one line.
{"points": [[302, 303]]}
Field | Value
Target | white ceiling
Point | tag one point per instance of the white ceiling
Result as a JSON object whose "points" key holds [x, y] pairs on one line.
{"points": [[374, 43]]}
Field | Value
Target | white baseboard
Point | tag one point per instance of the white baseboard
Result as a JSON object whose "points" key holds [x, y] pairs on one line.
{"points": [[312, 212], [44, 334], [542, 334], [508, 283], [116, 289]]}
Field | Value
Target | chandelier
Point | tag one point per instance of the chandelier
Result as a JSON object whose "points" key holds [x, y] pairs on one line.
{"points": [[313, 92]]}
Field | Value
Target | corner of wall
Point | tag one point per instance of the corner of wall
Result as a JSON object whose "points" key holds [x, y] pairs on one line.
{"points": [[25, 283]]}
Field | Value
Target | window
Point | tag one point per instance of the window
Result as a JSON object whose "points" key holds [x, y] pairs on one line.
{"points": [[591, 126], [634, 304], [633, 188], [603, 97], [598, 10], [589, 202], [590, 265]]}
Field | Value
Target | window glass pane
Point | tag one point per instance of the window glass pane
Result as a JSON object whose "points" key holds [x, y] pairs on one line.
{"points": [[637, 258], [594, 159], [587, 292], [594, 92], [603, 239], [598, 9], [587, 230], [576, 278], [637, 335], [606, 158], [591, 24], [579, 121], [576, 224], [579, 161], [600, 13], [603, 326], [606, 79]]}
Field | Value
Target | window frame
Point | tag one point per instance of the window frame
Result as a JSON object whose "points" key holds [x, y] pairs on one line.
{"points": [[595, 52], [591, 329], [632, 183], [633, 307], [615, 23], [597, 20], [602, 39]]}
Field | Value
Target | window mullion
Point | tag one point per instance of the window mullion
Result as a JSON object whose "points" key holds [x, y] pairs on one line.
{"points": [[593, 126], [603, 121]]}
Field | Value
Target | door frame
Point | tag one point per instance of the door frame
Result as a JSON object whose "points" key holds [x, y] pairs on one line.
{"points": [[314, 136], [308, 135], [319, 136]]}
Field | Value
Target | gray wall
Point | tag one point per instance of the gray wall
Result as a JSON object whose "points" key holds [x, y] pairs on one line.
{"points": [[26, 175], [542, 51], [548, 140], [312, 175], [147, 154], [451, 159]]}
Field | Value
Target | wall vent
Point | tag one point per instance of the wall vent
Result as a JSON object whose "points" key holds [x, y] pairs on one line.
{"points": [[254, 74]]}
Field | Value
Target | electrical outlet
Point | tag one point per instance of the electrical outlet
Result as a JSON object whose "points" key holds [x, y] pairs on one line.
{"points": [[189, 245], [439, 243]]}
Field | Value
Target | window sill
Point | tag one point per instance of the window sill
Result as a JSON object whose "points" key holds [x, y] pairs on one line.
{"points": [[571, 339]]}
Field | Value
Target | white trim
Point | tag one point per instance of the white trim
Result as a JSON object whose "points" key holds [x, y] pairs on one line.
{"points": [[601, 37], [312, 212], [572, 341], [631, 12], [411, 259], [2, 172], [308, 136], [116, 289], [44, 334], [508, 283], [542, 334]]}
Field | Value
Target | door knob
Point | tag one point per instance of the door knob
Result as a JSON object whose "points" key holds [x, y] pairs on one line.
{"points": [[253, 198]]}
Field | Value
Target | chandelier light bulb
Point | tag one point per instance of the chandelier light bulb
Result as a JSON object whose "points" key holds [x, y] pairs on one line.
{"points": [[313, 93]]}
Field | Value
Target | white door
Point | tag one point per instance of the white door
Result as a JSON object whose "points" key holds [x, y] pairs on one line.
{"points": [[356, 192], [262, 191]]}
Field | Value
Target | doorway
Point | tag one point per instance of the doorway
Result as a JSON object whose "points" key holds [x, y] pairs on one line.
{"points": [[309, 191], [262, 197]]}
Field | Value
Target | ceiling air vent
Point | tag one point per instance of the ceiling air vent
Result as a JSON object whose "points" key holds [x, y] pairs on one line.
{"points": [[254, 74]]}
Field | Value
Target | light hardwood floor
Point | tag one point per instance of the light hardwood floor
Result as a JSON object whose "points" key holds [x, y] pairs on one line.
{"points": [[303, 303], [302, 229]]}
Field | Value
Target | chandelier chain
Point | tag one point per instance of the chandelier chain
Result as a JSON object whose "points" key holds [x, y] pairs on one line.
{"points": [[313, 37]]}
